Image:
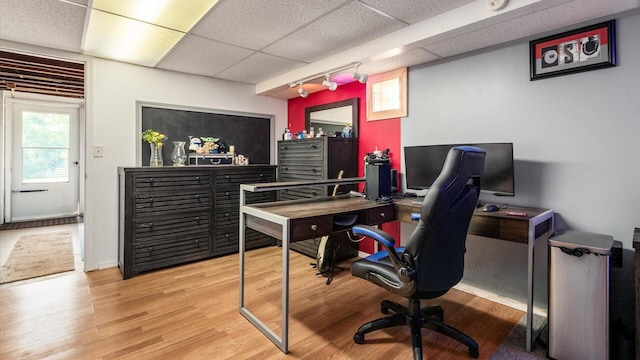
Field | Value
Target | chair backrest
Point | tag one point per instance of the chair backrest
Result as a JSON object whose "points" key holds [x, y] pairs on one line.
{"points": [[437, 245]]}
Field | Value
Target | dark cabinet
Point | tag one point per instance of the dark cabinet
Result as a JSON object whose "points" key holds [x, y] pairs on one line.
{"points": [[317, 159], [169, 216]]}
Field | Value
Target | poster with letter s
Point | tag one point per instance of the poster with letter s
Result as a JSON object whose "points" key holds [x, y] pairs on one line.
{"points": [[588, 48]]}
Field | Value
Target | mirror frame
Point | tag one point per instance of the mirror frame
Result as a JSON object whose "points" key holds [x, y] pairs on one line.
{"points": [[355, 112]]}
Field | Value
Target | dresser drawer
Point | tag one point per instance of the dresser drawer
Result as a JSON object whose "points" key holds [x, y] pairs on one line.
{"points": [[156, 255], [168, 229], [309, 149], [233, 179], [171, 182], [165, 203], [231, 199], [302, 193], [311, 170], [227, 240]]}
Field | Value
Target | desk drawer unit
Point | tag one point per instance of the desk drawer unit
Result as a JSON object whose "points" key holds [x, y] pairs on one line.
{"points": [[317, 159], [379, 216]]}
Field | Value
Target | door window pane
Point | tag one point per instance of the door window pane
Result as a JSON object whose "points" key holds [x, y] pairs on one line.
{"points": [[45, 147]]}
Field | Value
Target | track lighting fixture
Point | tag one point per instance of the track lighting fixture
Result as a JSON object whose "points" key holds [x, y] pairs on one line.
{"points": [[362, 78], [331, 85], [302, 92]]}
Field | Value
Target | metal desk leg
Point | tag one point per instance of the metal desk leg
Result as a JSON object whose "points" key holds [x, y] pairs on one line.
{"points": [[281, 342], [530, 267]]}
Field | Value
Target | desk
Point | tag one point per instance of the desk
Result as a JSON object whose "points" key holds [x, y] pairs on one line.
{"points": [[296, 220], [522, 229]]}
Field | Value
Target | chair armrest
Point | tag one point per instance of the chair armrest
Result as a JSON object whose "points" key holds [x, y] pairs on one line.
{"points": [[374, 233], [382, 238]]}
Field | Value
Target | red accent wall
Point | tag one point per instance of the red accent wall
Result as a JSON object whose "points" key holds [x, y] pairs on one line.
{"points": [[385, 134]]}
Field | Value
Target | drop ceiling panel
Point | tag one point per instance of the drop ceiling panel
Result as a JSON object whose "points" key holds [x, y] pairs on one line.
{"points": [[413, 11], [172, 14], [197, 55], [348, 26], [544, 21], [258, 67], [52, 24], [255, 24], [146, 43]]}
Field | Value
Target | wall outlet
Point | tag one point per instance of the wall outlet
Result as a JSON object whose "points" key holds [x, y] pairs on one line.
{"points": [[98, 151]]}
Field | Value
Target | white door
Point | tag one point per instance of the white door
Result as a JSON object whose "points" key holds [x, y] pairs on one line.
{"points": [[44, 160]]}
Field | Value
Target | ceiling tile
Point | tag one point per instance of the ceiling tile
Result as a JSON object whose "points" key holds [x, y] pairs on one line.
{"points": [[558, 17], [259, 67], [128, 40], [255, 24], [413, 11], [172, 14], [349, 26], [53, 24], [197, 55]]}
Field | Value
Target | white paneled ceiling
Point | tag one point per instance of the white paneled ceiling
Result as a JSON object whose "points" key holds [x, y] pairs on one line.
{"points": [[271, 43]]}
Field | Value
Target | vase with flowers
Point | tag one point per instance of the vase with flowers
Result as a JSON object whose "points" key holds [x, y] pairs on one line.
{"points": [[155, 140]]}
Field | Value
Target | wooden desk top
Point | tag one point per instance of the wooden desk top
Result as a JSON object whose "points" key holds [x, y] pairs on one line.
{"points": [[495, 224], [313, 207], [318, 214], [314, 217]]}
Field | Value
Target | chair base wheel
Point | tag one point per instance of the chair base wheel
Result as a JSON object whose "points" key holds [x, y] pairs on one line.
{"points": [[359, 338]]}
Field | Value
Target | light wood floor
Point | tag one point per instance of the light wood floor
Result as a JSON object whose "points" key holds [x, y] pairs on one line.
{"points": [[191, 312]]}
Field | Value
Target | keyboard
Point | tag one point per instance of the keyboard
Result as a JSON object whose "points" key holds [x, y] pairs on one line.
{"points": [[418, 200]]}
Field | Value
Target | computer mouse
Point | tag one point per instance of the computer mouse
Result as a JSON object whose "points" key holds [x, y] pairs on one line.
{"points": [[490, 208]]}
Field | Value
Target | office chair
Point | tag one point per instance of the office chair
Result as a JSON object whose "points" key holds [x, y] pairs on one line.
{"points": [[433, 260]]}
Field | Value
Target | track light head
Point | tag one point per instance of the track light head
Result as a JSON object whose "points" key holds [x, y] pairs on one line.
{"points": [[331, 85], [362, 78], [302, 92]]}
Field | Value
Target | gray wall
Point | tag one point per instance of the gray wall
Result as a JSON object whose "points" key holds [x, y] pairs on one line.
{"points": [[576, 141]]}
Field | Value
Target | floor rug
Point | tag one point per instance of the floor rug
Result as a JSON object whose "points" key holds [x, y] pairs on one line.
{"points": [[39, 223], [513, 347], [39, 255]]}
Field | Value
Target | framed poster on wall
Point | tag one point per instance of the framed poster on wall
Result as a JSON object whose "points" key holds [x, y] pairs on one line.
{"points": [[588, 48]]}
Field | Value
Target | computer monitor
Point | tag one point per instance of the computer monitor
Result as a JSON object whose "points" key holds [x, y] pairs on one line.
{"points": [[424, 163]]}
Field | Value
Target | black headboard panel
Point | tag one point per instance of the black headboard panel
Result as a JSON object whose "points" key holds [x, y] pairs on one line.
{"points": [[251, 136]]}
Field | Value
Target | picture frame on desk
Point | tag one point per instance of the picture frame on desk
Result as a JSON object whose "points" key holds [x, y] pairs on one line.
{"points": [[587, 48]]}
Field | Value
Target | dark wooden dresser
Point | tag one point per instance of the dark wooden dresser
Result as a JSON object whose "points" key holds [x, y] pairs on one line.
{"points": [[173, 215], [318, 159]]}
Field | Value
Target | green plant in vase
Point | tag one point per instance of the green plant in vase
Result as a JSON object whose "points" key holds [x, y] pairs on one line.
{"points": [[155, 140]]}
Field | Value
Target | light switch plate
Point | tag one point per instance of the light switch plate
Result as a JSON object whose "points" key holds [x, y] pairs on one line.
{"points": [[98, 151]]}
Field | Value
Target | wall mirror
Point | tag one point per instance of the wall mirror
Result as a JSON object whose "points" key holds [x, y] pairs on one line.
{"points": [[332, 117]]}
